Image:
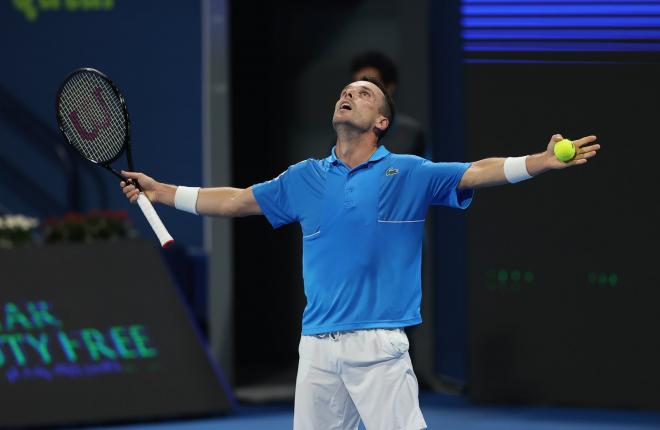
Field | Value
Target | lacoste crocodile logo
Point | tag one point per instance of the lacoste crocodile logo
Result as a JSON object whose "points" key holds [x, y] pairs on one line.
{"points": [[391, 171]]}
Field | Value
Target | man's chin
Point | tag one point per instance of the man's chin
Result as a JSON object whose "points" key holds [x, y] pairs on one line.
{"points": [[348, 125], [339, 121]]}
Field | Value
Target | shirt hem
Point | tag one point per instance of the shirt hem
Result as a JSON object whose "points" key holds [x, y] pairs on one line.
{"points": [[311, 331]]}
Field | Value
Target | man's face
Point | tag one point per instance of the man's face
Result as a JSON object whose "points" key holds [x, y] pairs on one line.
{"points": [[359, 106]]}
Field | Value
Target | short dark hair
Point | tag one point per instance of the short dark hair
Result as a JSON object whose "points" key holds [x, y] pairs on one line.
{"points": [[387, 109], [380, 62]]}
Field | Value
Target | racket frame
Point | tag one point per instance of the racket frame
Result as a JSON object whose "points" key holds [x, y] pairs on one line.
{"points": [[126, 147], [144, 203]]}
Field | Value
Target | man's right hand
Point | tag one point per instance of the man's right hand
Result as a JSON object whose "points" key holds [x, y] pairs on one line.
{"points": [[147, 184]]}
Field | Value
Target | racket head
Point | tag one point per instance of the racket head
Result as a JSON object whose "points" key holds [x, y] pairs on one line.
{"points": [[93, 117]]}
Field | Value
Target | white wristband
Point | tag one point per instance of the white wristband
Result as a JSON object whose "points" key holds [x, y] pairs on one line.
{"points": [[515, 169], [185, 199]]}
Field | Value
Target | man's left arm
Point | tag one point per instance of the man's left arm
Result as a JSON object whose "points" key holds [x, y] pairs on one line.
{"points": [[491, 171]]}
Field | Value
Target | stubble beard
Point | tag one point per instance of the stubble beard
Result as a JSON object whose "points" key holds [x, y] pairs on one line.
{"points": [[347, 129]]}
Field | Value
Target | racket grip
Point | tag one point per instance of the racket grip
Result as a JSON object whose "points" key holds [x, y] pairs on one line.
{"points": [[154, 220]]}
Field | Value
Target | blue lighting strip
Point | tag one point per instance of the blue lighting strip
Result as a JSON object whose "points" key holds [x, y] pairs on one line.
{"points": [[570, 8], [470, 2], [563, 34], [560, 47], [562, 22], [490, 61], [561, 25]]}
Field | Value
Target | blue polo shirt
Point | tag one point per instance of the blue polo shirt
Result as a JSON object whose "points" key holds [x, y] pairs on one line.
{"points": [[362, 231]]}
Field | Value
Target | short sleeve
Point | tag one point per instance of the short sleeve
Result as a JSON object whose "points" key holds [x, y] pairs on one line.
{"points": [[274, 199], [441, 181]]}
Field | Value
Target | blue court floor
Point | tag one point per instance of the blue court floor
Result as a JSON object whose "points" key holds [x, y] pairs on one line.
{"points": [[441, 412]]}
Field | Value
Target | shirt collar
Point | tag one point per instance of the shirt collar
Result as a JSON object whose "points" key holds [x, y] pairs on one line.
{"points": [[333, 156], [380, 153]]}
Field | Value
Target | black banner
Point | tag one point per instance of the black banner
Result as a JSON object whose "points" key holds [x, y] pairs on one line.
{"points": [[98, 333]]}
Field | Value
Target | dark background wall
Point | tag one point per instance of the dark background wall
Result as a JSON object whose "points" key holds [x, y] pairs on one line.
{"points": [[288, 65], [561, 270], [561, 273]]}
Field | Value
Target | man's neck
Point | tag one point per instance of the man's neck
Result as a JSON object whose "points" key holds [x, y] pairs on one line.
{"points": [[356, 149]]}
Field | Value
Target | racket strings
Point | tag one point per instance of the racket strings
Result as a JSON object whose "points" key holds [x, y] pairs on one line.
{"points": [[92, 115]]}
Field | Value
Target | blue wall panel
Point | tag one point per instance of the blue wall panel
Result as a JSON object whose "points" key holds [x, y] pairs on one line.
{"points": [[151, 49], [561, 26]]}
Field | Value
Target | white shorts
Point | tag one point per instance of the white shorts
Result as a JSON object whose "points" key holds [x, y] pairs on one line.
{"points": [[365, 374]]}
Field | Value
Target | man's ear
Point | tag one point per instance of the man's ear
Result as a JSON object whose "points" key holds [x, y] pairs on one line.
{"points": [[382, 124]]}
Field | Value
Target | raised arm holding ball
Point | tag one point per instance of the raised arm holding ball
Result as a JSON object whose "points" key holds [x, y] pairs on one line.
{"points": [[361, 290]]}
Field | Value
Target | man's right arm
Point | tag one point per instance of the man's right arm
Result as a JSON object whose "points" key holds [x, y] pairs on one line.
{"points": [[220, 201], [226, 201]]}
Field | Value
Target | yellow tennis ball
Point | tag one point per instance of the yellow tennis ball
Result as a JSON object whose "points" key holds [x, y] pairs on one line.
{"points": [[564, 150]]}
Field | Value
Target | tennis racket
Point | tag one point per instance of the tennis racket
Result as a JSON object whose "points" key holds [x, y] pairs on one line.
{"points": [[93, 118]]}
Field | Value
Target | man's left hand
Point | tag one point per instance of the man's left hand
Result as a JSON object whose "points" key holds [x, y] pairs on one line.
{"points": [[584, 149]]}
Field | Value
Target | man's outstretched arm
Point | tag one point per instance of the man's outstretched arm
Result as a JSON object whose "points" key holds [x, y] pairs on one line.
{"points": [[490, 171], [220, 201]]}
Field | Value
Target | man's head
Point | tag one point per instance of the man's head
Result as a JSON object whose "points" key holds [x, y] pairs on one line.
{"points": [[375, 65], [364, 105]]}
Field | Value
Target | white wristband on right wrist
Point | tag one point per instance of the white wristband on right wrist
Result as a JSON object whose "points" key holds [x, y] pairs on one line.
{"points": [[185, 199], [515, 169]]}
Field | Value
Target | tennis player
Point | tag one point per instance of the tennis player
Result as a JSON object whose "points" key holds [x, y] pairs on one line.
{"points": [[361, 211]]}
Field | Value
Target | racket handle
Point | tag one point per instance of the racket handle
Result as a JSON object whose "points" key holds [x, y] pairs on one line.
{"points": [[154, 220]]}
